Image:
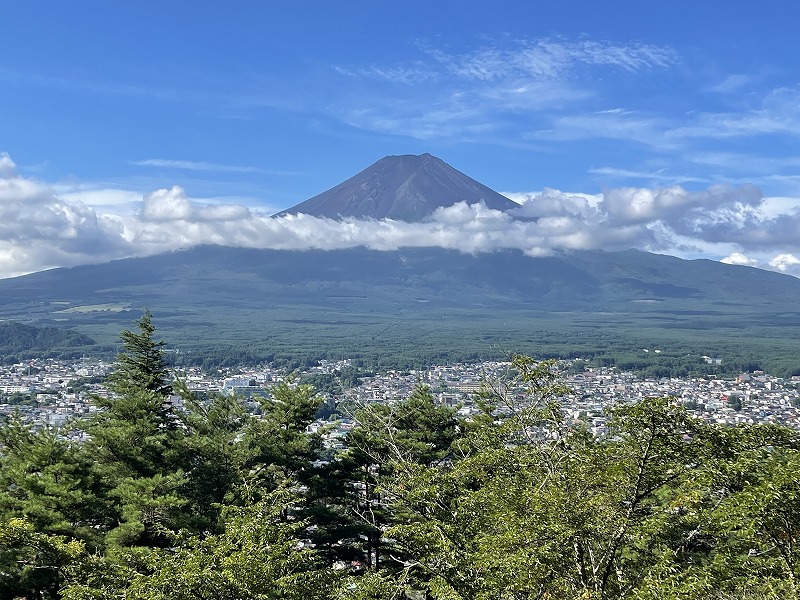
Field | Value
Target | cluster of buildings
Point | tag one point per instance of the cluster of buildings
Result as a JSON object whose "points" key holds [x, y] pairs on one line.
{"points": [[50, 392], [750, 398]]}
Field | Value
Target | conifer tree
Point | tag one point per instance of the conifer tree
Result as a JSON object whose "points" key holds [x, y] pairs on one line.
{"points": [[388, 440], [213, 453], [136, 426], [280, 448], [136, 443], [47, 481], [141, 364]]}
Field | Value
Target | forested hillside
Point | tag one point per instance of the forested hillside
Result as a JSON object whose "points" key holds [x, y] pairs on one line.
{"points": [[221, 306], [213, 500], [21, 342]]}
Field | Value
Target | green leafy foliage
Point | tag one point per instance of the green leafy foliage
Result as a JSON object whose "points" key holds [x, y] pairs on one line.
{"points": [[666, 506], [34, 564], [212, 454], [515, 502], [278, 446], [255, 558], [19, 342]]}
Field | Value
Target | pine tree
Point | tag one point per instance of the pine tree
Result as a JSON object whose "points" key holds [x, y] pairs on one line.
{"points": [[280, 448], [212, 453], [136, 426], [136, 443], [50, 483], [388, 440], [141, 364]]}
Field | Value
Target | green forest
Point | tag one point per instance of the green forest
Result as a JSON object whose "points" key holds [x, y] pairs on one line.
{"points": [[214, 501]]}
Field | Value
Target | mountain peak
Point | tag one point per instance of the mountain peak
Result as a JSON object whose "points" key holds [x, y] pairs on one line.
{"points": [[407, 187]]}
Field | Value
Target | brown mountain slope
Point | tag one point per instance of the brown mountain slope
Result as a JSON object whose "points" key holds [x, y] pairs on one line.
{"points": [[405, 188]]}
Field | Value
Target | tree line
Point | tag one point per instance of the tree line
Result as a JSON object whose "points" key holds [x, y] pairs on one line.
{"points": [[211, 500]]}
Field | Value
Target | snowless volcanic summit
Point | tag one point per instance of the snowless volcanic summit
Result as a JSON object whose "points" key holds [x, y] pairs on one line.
{"points": [[404, 188]]}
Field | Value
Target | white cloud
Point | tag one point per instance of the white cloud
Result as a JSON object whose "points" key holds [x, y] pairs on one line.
{"points": [[776, 206], [549, 58], [452, 118], [163, 206], [778, 113], [553, 203], [732, 83], [407, 75], [649, 175], [101, 199], [609, 124], [784, 262], [40, 228], [523, 197], [737, 258], [191, 165], [476, 93]]}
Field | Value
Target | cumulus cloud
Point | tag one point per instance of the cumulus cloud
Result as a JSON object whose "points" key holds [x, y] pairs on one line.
{"points": [[784, 262], [553, 203], [163, 206], [40, 228], [737, 258]]}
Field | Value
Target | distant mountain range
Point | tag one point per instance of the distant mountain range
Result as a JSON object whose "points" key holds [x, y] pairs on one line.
{"points": [[233, 278], [404, 188], [347, 300]]}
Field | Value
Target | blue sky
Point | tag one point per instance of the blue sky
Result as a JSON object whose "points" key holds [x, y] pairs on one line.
{"points": [[257, 106]]}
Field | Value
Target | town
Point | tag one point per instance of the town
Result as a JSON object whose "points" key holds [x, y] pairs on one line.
{"points": [[51, 393]]}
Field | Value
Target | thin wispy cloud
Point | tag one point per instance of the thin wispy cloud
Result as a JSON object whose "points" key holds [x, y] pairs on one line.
{"points": [[777, 114], [456, 95], [731, 159], [732, 83], [456, 120], [404, 74], [616, 124], [549, 58], [648, 175], [191, 165], [656, 105]]}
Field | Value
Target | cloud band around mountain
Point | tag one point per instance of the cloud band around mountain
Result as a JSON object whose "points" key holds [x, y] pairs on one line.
{"points": [[41, 229]]}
